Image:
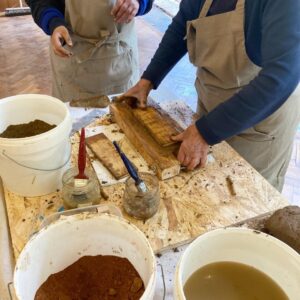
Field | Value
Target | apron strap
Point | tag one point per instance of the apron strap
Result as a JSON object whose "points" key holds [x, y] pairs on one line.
{"points": [[205, 8], [240, 4]]}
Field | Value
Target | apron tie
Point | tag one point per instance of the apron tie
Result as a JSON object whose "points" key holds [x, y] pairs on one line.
{"points": [[106, 38]]}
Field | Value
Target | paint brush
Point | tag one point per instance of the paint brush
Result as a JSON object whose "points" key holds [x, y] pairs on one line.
{"points": [[80, 180], [140, 184]]}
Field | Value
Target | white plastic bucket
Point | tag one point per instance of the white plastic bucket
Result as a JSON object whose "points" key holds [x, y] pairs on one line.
{"points": [[63, 242], [33, 166], [259, 250]]}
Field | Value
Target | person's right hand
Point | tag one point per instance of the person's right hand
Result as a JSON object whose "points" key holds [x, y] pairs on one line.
{"points": [[58, 37], [140, 91]]}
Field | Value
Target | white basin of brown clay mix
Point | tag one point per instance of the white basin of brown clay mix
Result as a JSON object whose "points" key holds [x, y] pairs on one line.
{"points": [[26, 130], [86, 256]]}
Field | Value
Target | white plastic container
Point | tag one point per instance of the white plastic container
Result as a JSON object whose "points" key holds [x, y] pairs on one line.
{"points": [[259, 250], [63, 242], [33, 166]]}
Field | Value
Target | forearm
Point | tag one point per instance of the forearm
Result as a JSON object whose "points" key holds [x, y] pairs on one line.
{"points": [[173, 45], [263, 96], [47, 14]]}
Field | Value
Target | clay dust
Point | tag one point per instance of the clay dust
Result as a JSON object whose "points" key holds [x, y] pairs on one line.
{"points": [[94, 277], [26, 130]]}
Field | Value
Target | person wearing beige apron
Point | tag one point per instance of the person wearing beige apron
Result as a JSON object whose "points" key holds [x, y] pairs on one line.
{"points": [[100, 55], [216, 46]]}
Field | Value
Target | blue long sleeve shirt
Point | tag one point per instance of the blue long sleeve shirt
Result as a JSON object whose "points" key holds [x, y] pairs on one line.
{"points": [[49, 14], [272, 37]]}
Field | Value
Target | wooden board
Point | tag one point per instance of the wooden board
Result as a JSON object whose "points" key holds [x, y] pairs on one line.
{"points": [[159, 124], [191, 203], [159, 158], [105, 151]]}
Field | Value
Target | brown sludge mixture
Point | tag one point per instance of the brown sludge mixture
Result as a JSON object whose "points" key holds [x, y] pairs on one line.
{"points": [[94, 278], [26, 130]]}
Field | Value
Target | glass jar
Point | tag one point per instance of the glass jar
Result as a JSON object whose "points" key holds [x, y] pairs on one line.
{"points": [[138, 204], [79, 193]]}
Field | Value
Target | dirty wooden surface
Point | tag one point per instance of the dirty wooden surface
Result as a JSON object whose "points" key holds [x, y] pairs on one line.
{"points": [[160, 126], [191, 203]]}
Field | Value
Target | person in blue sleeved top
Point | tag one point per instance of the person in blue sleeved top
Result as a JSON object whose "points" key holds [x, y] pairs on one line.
{"points": [[93, 48], [247, 54]]}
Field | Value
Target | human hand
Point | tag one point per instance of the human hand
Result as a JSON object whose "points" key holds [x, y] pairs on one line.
{"points": [[125, 10], [193, 149], [140, 91], [58, 37]]}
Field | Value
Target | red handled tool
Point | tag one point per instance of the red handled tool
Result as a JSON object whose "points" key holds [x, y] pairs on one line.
{"points": [[81, 178]]}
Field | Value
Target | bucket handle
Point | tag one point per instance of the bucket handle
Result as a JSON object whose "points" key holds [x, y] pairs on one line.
{"points": [[10, 288], [37, 169], [163, 280]]}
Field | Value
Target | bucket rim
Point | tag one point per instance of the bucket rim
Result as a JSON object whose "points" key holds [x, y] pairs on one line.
{"points": [[82, 217], [227, 230], [38, 137]]}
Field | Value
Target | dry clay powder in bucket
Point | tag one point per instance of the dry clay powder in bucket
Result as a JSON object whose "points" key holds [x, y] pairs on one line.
{"points": [[33, 166], [25, 130], [63, 242]]}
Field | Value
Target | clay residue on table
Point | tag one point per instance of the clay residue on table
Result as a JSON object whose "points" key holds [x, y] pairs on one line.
{"points": [[284, 224], [94, 277], [26, 130]]}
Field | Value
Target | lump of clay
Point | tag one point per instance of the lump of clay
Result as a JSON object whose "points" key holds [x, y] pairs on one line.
{"points": [[284, 224]]}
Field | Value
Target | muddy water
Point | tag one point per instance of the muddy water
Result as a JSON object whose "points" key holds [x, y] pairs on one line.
{"points": [[231, 281]]}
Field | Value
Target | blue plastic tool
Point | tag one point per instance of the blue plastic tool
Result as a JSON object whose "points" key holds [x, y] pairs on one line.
{"points": [[140, 184]]}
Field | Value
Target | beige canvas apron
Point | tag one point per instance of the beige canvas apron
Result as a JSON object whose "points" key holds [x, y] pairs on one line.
{"points": [[216, 45], [105, 54]]}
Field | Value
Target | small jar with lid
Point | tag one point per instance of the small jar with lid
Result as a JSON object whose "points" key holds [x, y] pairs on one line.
{"points": [[79, 193], [138, 204]]}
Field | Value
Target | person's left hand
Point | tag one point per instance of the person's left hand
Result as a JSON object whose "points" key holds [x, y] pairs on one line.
{"points": [[193, 149], [125, 10]]}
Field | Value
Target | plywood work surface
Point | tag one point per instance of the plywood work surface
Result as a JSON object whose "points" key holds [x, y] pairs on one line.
{"points": [[191, 203]]}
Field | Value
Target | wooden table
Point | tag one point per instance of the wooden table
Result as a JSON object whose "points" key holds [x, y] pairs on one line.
{"points": [[191, 203]]}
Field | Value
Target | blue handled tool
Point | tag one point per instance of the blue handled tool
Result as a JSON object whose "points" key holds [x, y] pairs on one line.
{"points": [[140, 184]]}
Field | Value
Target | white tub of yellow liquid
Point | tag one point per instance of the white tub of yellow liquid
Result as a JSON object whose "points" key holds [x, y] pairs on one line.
{"points": [[262, 252]]}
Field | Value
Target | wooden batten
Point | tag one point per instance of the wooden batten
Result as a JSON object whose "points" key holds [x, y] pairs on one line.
{"points": [[159, 124], [158, 157], [104, 150]]}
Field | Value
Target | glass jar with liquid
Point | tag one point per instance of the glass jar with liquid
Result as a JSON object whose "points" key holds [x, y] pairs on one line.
{"points": [[139, 204], [80, 192]]}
